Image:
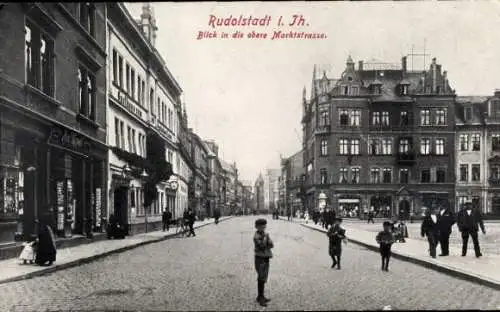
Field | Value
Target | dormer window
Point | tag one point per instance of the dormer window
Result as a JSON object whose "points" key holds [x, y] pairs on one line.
{"points": [[345, 90], [495, 108], [377, 89], [404, 89], [349, 78], [468, 113]]}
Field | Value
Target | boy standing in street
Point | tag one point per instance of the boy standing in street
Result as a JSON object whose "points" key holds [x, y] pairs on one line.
{"points": [[336, 234], [385, 239], [263, 245]]}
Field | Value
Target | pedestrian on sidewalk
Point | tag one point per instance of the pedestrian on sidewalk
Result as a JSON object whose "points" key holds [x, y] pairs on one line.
{"points": [[446, 219], [336, 235], [430, 229], [469, 222], [189, 219], [371, 215], [216, 215], [263, 245], [385, 239], [166, 217], [46, 245]]}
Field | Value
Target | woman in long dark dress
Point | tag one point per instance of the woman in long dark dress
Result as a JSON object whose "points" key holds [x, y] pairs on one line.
{"points": [[46, 247]]}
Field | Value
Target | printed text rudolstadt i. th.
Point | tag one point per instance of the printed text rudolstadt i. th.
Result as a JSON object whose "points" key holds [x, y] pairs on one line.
{"points": [[215, 21]]}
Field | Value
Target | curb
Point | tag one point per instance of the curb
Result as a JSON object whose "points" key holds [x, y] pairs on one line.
{"points": [[433, 266], [81, 261]]}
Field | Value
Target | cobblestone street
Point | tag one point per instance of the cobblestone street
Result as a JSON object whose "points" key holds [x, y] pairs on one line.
{"points": [[214, 271]]}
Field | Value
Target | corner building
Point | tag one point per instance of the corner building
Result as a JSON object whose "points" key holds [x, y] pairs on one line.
{"points": [[382, 137]]}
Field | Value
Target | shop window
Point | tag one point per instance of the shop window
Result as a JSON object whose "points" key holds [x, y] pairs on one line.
{"points": [[39, 62]]}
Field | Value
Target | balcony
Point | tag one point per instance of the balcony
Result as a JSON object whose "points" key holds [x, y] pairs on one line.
{"points": [[494, 180], [407, 158], [323, 129]]}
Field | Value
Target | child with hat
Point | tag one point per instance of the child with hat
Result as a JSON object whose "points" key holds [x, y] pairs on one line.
{"points": [[385, 239], [336, 235], [263, 245]]}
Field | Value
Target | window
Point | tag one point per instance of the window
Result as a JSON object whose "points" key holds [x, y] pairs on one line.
{"points": [[152, 101], [464, 142], [120, 71], [354, 90], [464, 173], [404, 89], [495, 108], [139, 90], [387, 146], [375, 175], [385, 119], [129, 138], [132, 197], [468, 113], [87, 17], [387, 176], [86, 93], [476, 172], [324, 148], [441, 175], [355, 175], [324, 119], [355, 117], [134, 146], [355, 147], [425, 146], [39, 51], [376, 118], [404, 146], [495, 142], [127, 77], [143, 93], [158, 106], [375, 147], [495, 172], [425, 117], [117, 133], [344, 117], [403, 118], [476, 142], [115, 66], [170, 118], [345, 90], [344, 147], [404, 175], [343, 175], [425, 176], [439, 146], [132, 85], [323, 176], [441, 116]]}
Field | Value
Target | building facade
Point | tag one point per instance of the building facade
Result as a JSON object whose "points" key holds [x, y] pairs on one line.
{"points": [[201, 174], [271, 189], [52, 118], [184, 163], [380, 137], [292, 177], [259, 196], [478, 152]]}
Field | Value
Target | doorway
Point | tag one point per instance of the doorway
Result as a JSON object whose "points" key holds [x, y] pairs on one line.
{"points": [[404, 209], [121, 207]]}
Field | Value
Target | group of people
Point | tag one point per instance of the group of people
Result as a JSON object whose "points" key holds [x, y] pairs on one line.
{"points": [[189, 218], [41, 251], [437, 226]]}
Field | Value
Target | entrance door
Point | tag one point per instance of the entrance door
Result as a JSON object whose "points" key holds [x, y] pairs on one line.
{"points": [[121, 206], [404, 209]]}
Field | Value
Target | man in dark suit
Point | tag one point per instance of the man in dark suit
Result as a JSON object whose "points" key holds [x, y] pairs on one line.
{"points": [[166, 217], [469, 222], [430, 229], [446, 219]]}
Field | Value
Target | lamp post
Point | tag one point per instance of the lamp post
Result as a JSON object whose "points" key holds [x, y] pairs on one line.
{"points": [[144, 176]]}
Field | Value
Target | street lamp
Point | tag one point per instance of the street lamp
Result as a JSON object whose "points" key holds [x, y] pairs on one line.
{"points": [[144, 176]]}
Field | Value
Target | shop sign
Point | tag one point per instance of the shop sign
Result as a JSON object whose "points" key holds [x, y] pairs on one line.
{"points": [[98, 207], [69, 140]]}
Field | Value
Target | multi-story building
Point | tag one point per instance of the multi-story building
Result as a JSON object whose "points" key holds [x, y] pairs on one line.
{"points": [[184, 163], [246, 204], [230, 174], [200, 174], [380, 136], [292, 176], [271, 189], [259, 196], [52, 118], [478, 152], [214, 187], [143, 98]]}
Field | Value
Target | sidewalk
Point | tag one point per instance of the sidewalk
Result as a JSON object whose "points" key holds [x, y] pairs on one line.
{"points": [[484, 271], [13, 269]]}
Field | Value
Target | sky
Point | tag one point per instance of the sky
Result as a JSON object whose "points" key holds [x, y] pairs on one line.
{"points": [[246, 94]]}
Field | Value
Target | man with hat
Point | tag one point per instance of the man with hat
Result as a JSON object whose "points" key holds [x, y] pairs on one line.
{"points": [[430, 229], [469, 222], [263, 253], [446, 219]]}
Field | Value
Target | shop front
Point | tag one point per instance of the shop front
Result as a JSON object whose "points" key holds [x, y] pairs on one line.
{"points": [[349, 206]]}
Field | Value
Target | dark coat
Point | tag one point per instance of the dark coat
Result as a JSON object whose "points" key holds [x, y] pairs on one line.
{"points": [[46, 247], [470, 223], [428, 227], [336, 234], [446, 221], [166, 217], [189, 217]]}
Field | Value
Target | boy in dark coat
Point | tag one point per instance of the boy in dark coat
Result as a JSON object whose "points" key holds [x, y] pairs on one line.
{"points": [[263, 253], [385, 239], [336, 234]]}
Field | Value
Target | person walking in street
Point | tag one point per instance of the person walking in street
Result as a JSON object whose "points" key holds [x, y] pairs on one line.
{"points": [[217, 215], [371, 215], [262, 248], [430, 229], [446, 219], [166, 217], [469, 222], [385, 239], [189, 219], [46, 245], [336, 235]]}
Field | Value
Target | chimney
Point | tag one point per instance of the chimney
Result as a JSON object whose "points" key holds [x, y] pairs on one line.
{"points": [[434, 75], [445, 81], [360, 65], [403, 65]]}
